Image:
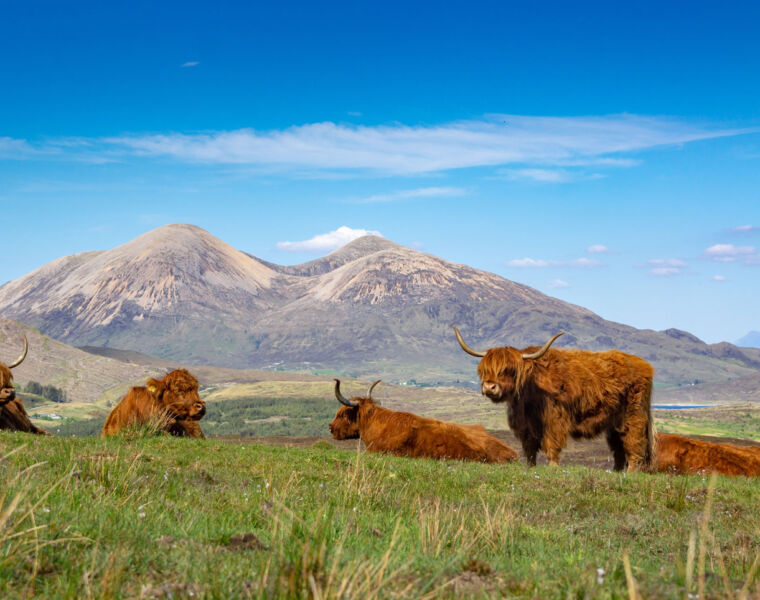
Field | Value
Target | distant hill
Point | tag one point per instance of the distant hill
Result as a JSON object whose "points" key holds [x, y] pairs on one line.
{"points": [[84, 376], [752, 339], [372, 308]]}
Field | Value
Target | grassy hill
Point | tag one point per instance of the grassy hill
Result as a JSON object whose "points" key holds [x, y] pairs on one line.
{"points": [[160, 517]]}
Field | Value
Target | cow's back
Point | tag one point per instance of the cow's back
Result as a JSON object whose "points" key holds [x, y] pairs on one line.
{"points": [[137, 406], [678, 454]]}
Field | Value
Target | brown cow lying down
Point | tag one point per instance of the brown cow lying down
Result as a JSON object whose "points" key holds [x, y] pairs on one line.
{"points": [[172, 403], [681, 455], [405, 434], [13, 417]]}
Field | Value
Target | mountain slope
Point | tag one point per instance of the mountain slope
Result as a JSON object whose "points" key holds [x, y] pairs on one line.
{"points": [[751, 339], [371, 308], [83, 376]]}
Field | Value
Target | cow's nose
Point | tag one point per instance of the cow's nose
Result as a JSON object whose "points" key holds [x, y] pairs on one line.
{"points": [[489, 388]]}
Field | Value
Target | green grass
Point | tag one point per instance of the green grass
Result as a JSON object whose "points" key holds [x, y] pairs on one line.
{"points": [[160, 517], [740, 420], [293, 416]]}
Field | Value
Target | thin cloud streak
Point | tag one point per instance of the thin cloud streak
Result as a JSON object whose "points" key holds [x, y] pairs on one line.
{"points": [[666, 267], [401, 149], [745, 229], [539, 263], [731, 253], [428, 192]]}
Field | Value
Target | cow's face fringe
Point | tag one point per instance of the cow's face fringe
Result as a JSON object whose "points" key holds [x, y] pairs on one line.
{"points": [[178, 393], [503, 374], [7, 391], [345, 425]]}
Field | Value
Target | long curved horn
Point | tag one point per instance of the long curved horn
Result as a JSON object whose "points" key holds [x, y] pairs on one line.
{"points": [[465, 347], [341, 398], [21, 358], [543, 350], [372, 387]]}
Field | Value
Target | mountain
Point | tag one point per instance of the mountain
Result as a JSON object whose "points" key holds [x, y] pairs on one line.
{"points": [[371, 308], [752, 339]]}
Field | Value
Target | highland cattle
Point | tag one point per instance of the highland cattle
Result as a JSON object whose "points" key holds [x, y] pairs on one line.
{"points": [[13, 416], [680, 455], [405, 434], [554, 394], [171, 404]]}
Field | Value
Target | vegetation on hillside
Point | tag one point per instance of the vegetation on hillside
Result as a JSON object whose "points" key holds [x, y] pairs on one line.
{"points": [[49, 392], [159, 517]]}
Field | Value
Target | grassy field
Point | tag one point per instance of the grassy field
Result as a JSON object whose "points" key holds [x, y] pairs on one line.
{"points": [[158, 517], [740, 420]]}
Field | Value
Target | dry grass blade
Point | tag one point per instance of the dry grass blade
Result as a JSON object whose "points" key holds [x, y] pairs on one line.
{"points": [[630, 581], [691, 554], [744, 593], [703, 533]]}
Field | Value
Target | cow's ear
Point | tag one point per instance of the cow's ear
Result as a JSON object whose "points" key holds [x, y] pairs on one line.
{"points": [[155, 387]]}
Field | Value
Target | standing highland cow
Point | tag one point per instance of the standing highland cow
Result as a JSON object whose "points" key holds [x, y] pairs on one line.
{"points": [[555, 394], [13, 417], [172, 404], [405, 434]]}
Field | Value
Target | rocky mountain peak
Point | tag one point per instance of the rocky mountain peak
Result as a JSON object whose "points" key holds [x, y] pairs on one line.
{"points": [[358, 248]]}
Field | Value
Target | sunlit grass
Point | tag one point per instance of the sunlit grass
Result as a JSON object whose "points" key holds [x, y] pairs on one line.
{"points": [[151, 517]]}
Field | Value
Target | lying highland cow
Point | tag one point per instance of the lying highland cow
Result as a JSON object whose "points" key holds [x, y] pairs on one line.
{"points": [[405, 434], [555, 394], [13, 417], [171, 403], [680, 455]]}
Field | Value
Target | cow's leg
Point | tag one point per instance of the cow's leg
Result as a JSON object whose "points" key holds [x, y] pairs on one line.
{"points": [[552, 453], [554, 440], [635, 442], [615, 442], [530, 448], [636, 429]]}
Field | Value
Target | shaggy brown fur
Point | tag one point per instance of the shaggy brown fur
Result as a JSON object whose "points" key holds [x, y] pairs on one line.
{"points": [[405, 434], [13, 417], [172, 403], [681, 455], [574, 393]]}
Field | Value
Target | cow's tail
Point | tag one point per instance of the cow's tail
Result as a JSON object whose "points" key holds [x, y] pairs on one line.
{"points": [[650, 457]]}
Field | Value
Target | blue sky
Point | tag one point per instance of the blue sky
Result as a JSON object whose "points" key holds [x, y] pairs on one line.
{"points": [[605, 153]]}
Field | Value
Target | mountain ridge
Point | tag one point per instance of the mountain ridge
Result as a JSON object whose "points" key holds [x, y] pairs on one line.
{"points": [[372, 307]]}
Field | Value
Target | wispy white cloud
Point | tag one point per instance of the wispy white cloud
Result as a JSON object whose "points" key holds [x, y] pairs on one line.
{"points": [[495, 140], [539, 263], [427, 192], [325, 242], [541, 148], [191, 63], [598, 249], [730, 253], [666, 267], [14, 149], [719, 278], [558, 283], [745, 229], [546, 175]]}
